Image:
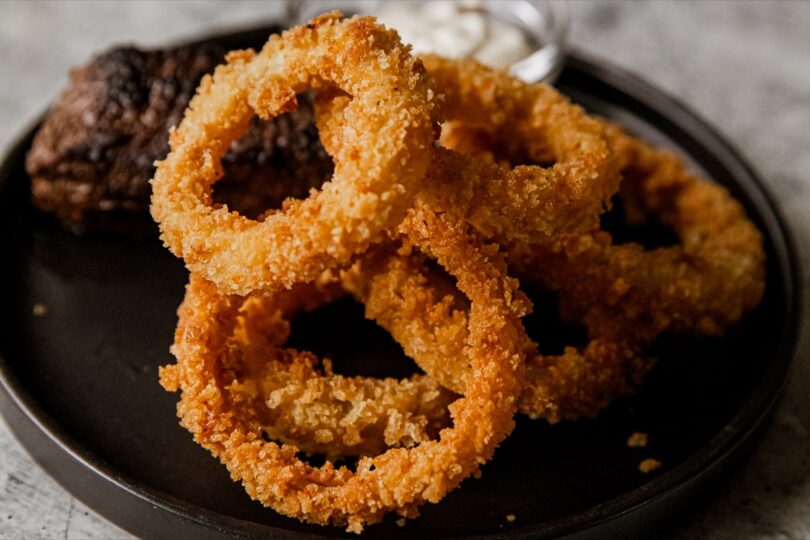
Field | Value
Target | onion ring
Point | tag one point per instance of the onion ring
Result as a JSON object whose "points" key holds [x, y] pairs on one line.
{"points": [[475, 345], [571, 193], [377, 169], [508, 203], [297, 397], [578, 382], [223, 420], [704, 284], [323, 413], [430, 321], [626, 296]]}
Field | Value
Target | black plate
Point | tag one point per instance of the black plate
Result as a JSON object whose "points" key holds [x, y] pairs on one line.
{"points": [[79, 385]]}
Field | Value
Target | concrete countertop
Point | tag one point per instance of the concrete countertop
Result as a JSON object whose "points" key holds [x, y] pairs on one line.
{"points": [[745, 67]]}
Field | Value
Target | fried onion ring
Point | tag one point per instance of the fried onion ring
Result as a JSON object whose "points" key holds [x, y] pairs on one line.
{"points": [[704, 284], [625, 295], [578, 382], [305, 405], [567, 195], [507, 203], [388, 137], [403, 298], [430, 321], [223, 418], [297, 397]]}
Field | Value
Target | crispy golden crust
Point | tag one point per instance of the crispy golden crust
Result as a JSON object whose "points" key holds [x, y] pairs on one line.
{"points": [[224, 418], [704, 284], [507, 203], [390, 130], [240, 386], [495, 198], [624, 294], [430, 321], [526, 200], [299, 401], [339, 416]]}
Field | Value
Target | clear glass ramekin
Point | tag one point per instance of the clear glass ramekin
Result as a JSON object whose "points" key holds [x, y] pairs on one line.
{"points": [[544, 23]]}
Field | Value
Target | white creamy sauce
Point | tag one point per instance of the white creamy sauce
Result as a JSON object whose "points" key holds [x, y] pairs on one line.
{"points": [[456, 30]]}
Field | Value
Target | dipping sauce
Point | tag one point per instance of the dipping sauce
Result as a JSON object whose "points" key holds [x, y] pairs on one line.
{"points": [[456, 30]]}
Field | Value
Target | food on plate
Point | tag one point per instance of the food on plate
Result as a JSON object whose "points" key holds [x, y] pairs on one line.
{"points": [[637, 439], [95, 176], [430, 320], [39, 309], [422, 224], [703, 284], [300, 401], [625, 295], [92, 158], [565, 191], [222, 412], [580, 167], [580, 382], [649, 465], [387, 147]]}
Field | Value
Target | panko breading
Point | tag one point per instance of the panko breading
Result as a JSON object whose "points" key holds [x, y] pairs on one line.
{"points": [[388, 150]]}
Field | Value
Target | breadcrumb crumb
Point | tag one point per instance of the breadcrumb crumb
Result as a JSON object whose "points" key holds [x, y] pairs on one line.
{"points": [[40, 309], [649, 465], [637, 440], [510, 518], [401, 522]]}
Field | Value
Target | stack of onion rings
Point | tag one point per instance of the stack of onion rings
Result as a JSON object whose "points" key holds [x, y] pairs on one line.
{"points": [[221, 410], [398, 201], [427, 318]]}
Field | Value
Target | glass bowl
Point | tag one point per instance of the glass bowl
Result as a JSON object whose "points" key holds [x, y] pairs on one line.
{"points": [[544, 24]]}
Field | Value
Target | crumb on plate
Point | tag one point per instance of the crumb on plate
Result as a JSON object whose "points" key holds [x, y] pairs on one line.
{"points": [[637, 440], [649, 465]]}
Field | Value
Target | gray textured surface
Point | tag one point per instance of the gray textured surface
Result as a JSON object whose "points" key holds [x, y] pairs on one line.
{"points": [[743, 66]]}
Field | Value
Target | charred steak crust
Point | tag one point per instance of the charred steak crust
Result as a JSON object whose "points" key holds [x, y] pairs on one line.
{"points": [[92, 158]]}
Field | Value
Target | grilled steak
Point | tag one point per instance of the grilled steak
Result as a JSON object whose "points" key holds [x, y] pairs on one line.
{"points": [[91, 161]]}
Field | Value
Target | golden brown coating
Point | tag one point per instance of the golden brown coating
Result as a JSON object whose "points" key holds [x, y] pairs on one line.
{"points": [[390, 130], [494, 197], [502, 202], [529, 201], [625, 295], [299, 400], [703, 284], [430, 320], [396, 205], [224, 418]]}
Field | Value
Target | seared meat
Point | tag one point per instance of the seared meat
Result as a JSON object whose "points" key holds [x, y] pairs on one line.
{"points": [[91, 161]]}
